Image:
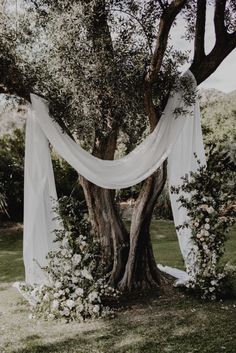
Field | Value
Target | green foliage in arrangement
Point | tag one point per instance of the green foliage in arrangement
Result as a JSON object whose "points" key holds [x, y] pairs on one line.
{"points": [[211, 212]]}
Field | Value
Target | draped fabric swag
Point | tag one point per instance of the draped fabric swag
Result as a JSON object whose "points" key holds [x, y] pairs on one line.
{"points": [[175, 137]]}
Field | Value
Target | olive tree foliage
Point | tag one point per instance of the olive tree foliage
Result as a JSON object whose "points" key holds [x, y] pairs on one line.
{"points": [[52, 45]]}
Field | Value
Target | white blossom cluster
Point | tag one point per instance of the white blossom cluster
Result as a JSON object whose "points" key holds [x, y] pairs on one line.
{"points": [[73, 292]]}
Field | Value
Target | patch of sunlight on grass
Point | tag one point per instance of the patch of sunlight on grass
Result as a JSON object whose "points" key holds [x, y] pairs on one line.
{"points": [[11, 257]]}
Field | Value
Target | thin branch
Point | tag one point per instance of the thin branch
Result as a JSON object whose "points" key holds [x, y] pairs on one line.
{"points": [[140, 23], [162, 5], [219, 16]]}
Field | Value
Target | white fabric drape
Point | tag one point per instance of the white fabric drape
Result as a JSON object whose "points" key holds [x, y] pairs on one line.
{"points": [[174, 137]]}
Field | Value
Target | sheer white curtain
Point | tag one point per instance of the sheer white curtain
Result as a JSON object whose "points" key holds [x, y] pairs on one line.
{"points": [[174, 137]]}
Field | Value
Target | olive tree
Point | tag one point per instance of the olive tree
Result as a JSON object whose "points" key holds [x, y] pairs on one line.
{"points": [[107, 67]]}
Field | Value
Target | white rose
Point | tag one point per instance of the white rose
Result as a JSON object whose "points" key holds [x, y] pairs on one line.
{"points": [[196, 224], [55, 304], [92, 296], [64, 252], [66, 312], [79, 291], [207, 220], [58, 284], [67, 268], [205, 247], [70, 303], [77, 258], [199, 235], [96, 309], [75, 279], [207, 226]]}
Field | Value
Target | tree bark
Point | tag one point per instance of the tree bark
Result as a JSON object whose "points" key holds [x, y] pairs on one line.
{"points": [[141, 270]]}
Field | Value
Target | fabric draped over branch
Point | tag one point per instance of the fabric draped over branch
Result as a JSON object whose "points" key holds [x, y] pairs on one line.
{"points": [[176, 137]]}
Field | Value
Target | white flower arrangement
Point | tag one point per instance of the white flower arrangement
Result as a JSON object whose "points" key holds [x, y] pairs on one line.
{"points": [[210, 216], [76, 288]]}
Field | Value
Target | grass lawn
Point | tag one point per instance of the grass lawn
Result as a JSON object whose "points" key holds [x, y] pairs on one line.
{"points": [[174, 323]]}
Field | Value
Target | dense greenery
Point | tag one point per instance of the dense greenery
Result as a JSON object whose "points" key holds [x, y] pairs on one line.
{"points": [[12, 176]]}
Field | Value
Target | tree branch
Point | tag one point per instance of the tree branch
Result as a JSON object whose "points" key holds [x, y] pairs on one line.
{"points": [[204, 65], [199, 43], [168, 16], [220, 30]]}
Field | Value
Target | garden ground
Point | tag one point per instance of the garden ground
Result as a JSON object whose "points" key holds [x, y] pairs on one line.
{"points": [[174, 323]]}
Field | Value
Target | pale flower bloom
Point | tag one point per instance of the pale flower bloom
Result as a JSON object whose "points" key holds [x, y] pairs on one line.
{"points": [[79, 291], [51, 316], [46, 296], [207, 226], [65, 243], [92, 296], [55, 304], [75, 279], [86, 274], [70, 303], [58, 284], [96, 309], [66, 311], [76, 259], [80, 308], [210, 210]]}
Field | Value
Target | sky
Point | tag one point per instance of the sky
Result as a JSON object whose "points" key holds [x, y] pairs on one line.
{"points": [[224, 78]]}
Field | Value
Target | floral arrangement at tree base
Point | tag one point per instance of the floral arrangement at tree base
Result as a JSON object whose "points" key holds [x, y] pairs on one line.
{"points": [[75, 289], [210, 215]]}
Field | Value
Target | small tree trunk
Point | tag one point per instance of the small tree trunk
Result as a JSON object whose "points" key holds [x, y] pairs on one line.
{"points": [[141, 270]]}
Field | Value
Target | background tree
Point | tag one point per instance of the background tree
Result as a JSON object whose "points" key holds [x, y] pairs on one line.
{"points": [[107, 69]]}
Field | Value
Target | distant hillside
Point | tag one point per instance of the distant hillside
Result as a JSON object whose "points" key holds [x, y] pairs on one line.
{"points": [[216, 102], [218, 111]]}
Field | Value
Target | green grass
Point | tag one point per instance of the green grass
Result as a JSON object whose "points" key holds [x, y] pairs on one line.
{"points": [[172, 323], [11, 257]]}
